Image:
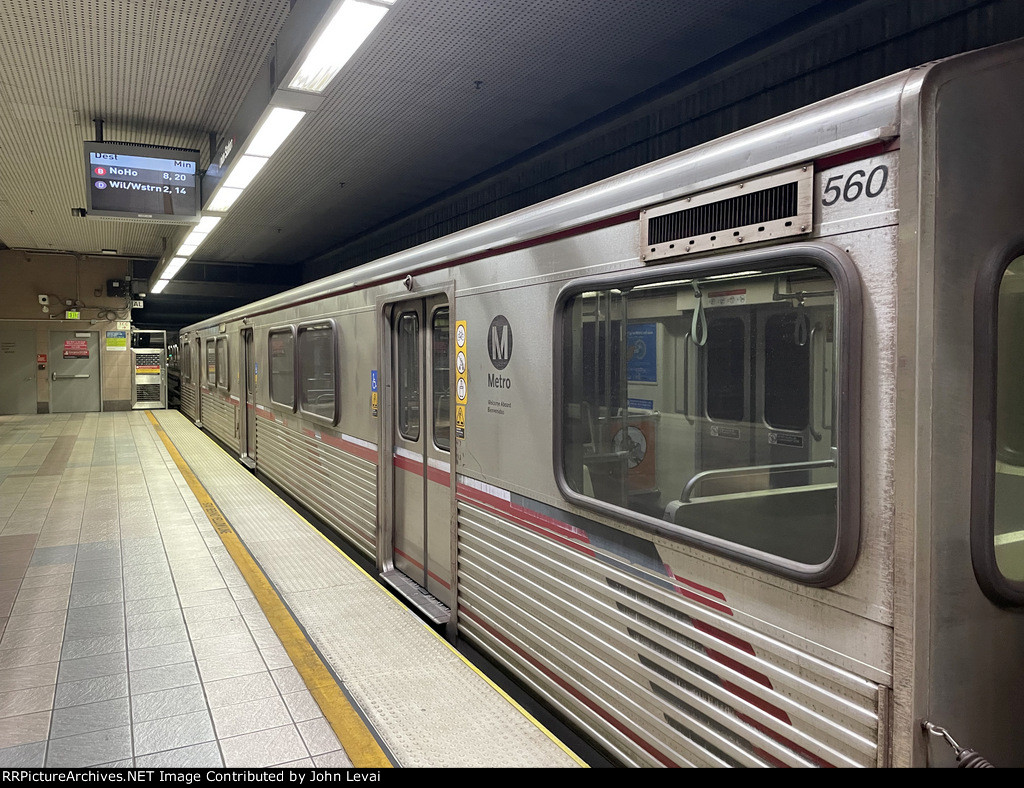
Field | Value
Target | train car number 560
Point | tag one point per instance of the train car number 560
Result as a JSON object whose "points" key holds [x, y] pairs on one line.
{"points": [[850, 187]]}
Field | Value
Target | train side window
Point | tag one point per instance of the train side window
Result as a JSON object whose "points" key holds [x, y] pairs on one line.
{"points": [[318, 381], [441, 378], [186, 362], [701, 405], [281, 344], [211, 362], [1002, 529], [408, 389], [222, 364]]}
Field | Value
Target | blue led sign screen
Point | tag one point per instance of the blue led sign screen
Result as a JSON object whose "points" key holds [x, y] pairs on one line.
{"points": [[144, 183]]}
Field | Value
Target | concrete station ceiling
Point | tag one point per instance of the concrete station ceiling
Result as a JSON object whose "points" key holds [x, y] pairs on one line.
{"points": [[442, 91]]}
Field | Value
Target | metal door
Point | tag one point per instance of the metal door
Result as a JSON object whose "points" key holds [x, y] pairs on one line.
{"points": [[17, 372], [74, 372], [421, 443], [247, 440]]}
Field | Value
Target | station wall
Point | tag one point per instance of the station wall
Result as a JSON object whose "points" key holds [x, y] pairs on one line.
{"points": [[99, 338]]}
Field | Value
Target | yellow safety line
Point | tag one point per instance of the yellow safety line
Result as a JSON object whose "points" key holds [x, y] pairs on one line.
{"points": [[360, 745]]}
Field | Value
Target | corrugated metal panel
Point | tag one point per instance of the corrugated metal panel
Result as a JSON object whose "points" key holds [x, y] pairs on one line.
{"points": [[658, 678], [219, 418], [188, 400], [337, 487]]}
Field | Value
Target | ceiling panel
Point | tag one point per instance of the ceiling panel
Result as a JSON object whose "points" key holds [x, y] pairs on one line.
{"points": [[443, 91]]}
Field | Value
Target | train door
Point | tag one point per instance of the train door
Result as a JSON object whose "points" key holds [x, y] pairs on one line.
{"points": [[765, 384], [247, 423], [421, 435], [794, 401], [726, 435]]}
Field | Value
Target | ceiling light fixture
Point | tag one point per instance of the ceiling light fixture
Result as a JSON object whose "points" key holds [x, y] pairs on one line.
{"points": [[244, 170], [176, 264], [224, 199], [330, 41], [274, 130], [336, 42]]}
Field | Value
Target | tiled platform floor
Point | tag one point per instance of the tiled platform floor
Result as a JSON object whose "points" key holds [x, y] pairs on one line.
{"points": [[127, 635]]}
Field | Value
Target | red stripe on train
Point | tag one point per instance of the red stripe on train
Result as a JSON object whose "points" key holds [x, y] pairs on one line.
{"points": [[565, 535]]}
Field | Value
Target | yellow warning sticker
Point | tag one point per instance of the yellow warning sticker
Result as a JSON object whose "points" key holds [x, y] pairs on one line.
{"points": [[461, 378]]}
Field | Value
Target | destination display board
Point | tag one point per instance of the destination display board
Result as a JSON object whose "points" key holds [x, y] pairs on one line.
{"points": [[144, 183]]}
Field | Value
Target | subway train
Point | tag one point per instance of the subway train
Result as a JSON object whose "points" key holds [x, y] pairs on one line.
{"points": [[721, 458]]}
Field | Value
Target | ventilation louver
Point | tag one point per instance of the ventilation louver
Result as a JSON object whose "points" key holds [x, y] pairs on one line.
{"points": [[761, 209]]}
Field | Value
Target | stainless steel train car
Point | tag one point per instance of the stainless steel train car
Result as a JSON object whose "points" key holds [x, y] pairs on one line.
{"points": [[722, 458]]}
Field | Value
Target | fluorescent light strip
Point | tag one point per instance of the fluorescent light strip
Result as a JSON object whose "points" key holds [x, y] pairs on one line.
{"points": [[344, 34], [160, 285], [207, 223], [244, 170], [176, 264], [224, 199], [273, 131]]}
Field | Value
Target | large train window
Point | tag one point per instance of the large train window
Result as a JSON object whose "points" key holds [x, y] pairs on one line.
{"points": [[704, 402], [281, 344], [998, 520], [317, 350]]}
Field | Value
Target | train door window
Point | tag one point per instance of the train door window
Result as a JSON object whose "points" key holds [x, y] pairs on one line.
{"points": [[186, 362], [408, 390], [441, 378], [222, 364], [787, 370], [317, 351], [281, 344], [211, 362], [684, 404], [726, 367]]}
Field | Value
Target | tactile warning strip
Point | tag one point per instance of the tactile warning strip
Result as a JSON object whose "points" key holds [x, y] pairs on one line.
{"points": [[425, 702]]}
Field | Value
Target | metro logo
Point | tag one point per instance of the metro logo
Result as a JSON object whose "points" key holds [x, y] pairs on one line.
{"points": [[499, 342]]}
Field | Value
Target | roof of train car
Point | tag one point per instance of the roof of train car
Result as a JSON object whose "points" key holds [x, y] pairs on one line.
{"points": [[858, 118]]}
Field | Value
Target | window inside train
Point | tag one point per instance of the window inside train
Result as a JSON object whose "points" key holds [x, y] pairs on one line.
{"points": [[709, 405], [408, 373], [222, 363], [1009, 432], [211, 362], [317, 379], [441, 379], [281, 345], [186, 362]]}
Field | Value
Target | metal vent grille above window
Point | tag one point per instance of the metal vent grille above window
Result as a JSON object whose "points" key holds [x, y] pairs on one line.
{"points": [[762, 209]]}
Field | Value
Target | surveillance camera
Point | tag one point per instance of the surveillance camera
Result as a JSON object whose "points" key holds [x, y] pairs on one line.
{"points": [[44, 299]]}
